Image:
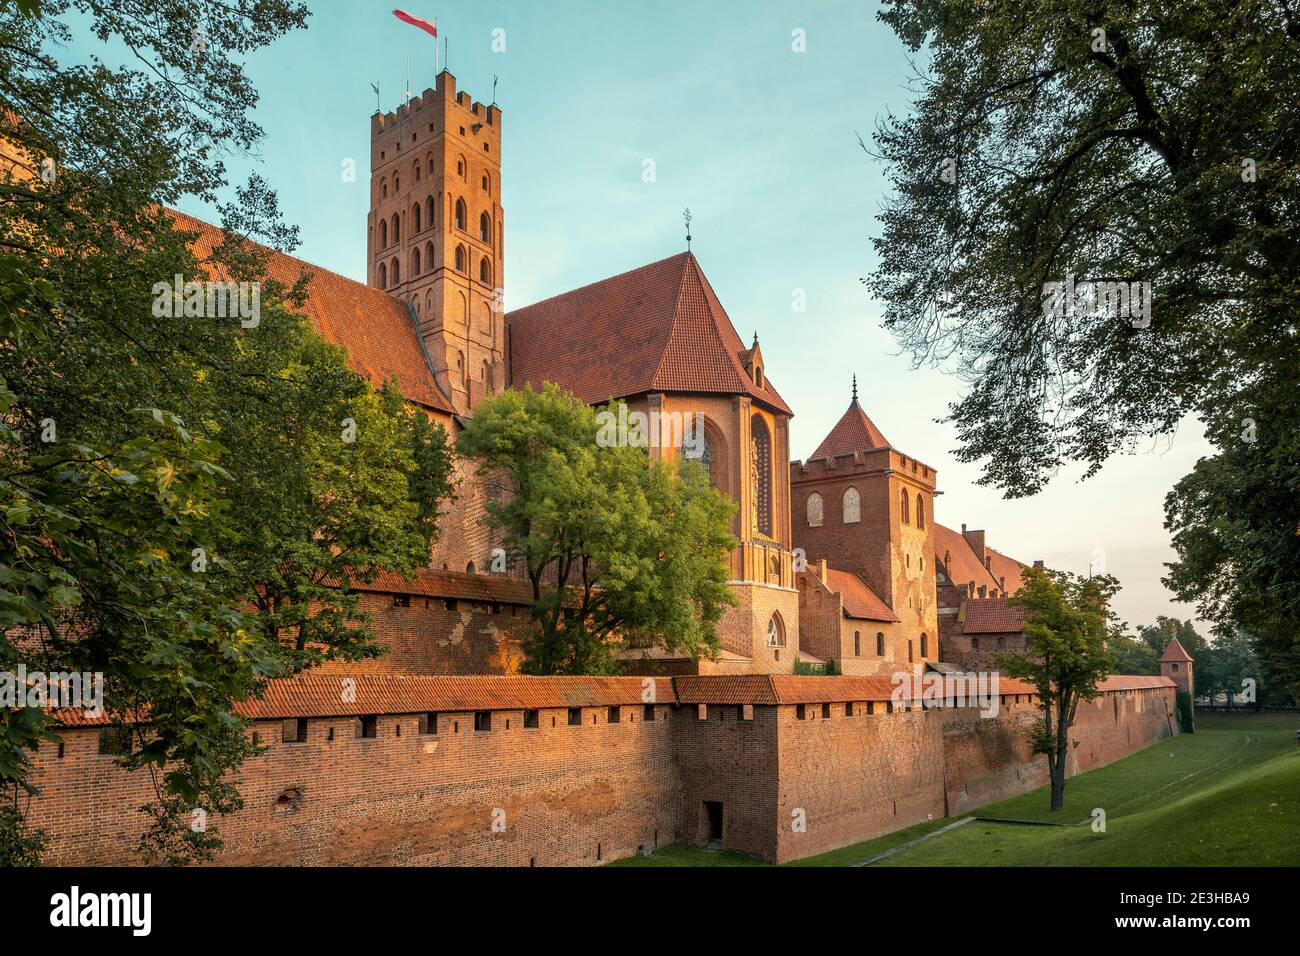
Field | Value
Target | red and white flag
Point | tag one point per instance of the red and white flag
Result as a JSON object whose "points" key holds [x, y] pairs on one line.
{"points": [[425, 25]]}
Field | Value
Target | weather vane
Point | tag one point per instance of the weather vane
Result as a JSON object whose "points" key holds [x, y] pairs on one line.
{"points": [[686, 218], [494, 89]]}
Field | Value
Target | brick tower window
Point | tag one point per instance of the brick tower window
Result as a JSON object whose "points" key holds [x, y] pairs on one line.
{"points": [[761, 476], [383, 234], [415, 218], [815, 508], [485, 271], [925, 646], [485, 229], [852, 506], [920, 511], [415, 262], [383, 276], [880, 643], [396, 229], [903, 505], [430, 212], [461, 215], [461, 264]]}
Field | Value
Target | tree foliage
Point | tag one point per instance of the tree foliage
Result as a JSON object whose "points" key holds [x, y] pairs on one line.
{"points": [[1067, 629], [619, 551], [1115, 141], [180, 500]]}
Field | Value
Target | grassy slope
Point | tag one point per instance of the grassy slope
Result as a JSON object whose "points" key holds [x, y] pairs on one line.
{"points": [[1227, 795]]}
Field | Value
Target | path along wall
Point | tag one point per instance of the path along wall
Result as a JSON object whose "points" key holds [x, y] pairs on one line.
{"points": [[576, 771]]}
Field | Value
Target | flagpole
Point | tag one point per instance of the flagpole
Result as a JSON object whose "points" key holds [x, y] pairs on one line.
{"points": [[435, 50]]}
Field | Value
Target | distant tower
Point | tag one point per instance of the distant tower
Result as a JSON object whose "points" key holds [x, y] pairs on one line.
{"points": [[1176, 664], [436, 229]]}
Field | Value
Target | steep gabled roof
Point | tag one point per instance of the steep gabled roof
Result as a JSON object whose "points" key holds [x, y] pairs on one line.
{"points": [[1175, 652], [964, 565], [376, 328], [1001, 566], [859, 599], [659, 328], [853, 432]]}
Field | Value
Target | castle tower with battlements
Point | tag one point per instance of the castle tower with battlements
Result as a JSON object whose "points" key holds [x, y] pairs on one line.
{"points": [[436, 232]]}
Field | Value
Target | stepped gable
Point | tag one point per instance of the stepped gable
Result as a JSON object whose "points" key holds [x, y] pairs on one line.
{"points": [[659, 328], [376, 328]]}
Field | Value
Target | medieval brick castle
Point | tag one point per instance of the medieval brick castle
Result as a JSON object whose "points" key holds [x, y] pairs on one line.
{"points": [[839, 558]]}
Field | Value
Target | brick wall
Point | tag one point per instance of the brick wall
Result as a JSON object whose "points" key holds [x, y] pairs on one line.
{"points": [[791, 780]]}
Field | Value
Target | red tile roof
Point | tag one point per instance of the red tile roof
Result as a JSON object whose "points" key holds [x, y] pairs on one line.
{"points": [[452, 584], [964, 566], [323, 696], [1003, 567], [376, 328], [853, 432], [992, 616], [659, 328], [1175, 652], [859, 599]]}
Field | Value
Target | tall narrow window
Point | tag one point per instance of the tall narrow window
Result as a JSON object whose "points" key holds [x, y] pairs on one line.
{"points": [[415, 262], [925, 646], [880, 643], [415, 218], [485, 228], [814, 510], [460, 214], [429, 212], [461, 264], [902, 497], [852, 506], [383, 234], [485, 271], [920, 511], [396, 272], [397, 228], [761, 476], [775, 631], [383, 276]]}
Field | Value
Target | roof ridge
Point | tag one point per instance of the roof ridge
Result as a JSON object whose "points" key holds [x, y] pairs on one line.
{"points": [[596, 282]]}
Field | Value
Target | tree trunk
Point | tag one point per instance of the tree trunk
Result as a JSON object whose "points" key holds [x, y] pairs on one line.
{"points": [[1057, 766]]}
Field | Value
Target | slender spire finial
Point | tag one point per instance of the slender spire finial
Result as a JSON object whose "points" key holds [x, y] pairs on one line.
{"points": [[855, 387], [686, 218], [756, 338]]}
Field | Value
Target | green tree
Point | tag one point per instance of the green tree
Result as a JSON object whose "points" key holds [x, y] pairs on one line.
{"points": [[1133, 656], [1143, 142], [187, 571], [1067, 627], [619, 551]]}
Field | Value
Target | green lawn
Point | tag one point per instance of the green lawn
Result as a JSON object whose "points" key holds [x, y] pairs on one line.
{"points": [[1227, 795]]}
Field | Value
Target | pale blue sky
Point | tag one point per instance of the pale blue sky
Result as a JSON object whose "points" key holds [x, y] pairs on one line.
{"points": [[759, 141]]}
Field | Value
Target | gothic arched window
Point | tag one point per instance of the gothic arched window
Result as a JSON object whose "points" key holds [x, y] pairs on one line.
{"points": [[902, 497], [761, 475], [396, 272], [461, 264], [383, 234], [383, 276], [920, 511], [485, 228], [775, 631], [415, 262], [430, 210], [460, 214], [815, 509], [485, 271], [397, 228], [415, 218], [852, 506]]}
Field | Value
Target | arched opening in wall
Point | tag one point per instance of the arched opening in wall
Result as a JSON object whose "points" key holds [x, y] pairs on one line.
{"points": [[852, 506], [428, 254], [428, 168], [487, 184], [775, 630], [396, 228], [485, 229], [383, 188], [383, 276], [461, 216], [415, 218], [904, 509], [415, 262], [774, 570], [397, 185], [428, 304], [430, 212], [814, 508], [925, 646], [485, 271], [462, 264], [383, 234], [460, 167], [761, 475], [920, 511], [880, 643], [460, 369], [417, 170], [395, 272], [703, 443], [464, 311], [469, 568]]}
